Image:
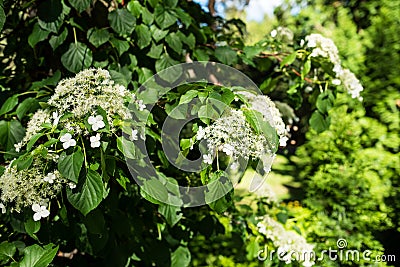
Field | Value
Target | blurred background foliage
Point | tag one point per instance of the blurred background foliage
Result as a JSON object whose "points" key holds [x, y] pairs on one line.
{"points": [[341, 183]]}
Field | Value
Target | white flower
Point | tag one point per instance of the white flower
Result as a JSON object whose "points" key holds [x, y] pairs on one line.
{"points": [[67, 140], [96, 122], [200, 133], [302, 42], [121, 90], [336, 82], [228, 149], [283, 140], [40, 212], [134, 136], [274, 33], [95, 141], [3, 208], [72, 185], [56, 118], [208, 159], [141, 105], [50, 177]]}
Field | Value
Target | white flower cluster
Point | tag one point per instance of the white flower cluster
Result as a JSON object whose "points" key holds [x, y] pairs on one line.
{"points": [[294, 245], [271, 114], [233, 135], [28, 187], [89, 89], [81, 96], [282, 33], [34, 126], [325, 47]]}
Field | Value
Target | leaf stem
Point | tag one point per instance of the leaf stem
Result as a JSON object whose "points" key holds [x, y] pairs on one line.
{"points": [[84, 152], [76, 41]]}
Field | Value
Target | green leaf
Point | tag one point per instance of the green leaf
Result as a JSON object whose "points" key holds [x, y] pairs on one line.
{"points": [[36, 256], [7, 249], [70, 165], [97, 37], [127, 147], [51, 15], [252, 249], [32, 227], [55, 41], [289, 59], [122, 22], [77, 58], [37, 35], [260, 126], [80, 5], [306, 68], [157, 33], [226, 55], [23, 163], [155, 189], [201, 54], [218, 186], [33, 141], [89, 193], [135, 8], [170, 213], [119, 78], [180, 257], [120, 45], [144, 36], [325, 101], [189, 40], [318, 122], [147, 16], [188, 96], [11, 132], [164, 18], [155, 51], [169, 75], [26, 106], [208, 112], [53, 80], [252, 51], [9, 105], [153, 3], [171, 3], [2, 17], [185, 143], [174, 42]]}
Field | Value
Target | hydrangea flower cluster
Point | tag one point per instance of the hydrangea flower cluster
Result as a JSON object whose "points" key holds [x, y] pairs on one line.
{"points": [[282, 33], [32, 186], [326, 48], [84, 107], [271, 114], [294, 245], [233, 135]]}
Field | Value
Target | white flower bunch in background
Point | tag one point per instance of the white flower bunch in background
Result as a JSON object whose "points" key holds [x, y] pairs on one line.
{"points": [[326, 48], [282, 33], [286, 241], [271, 114]]}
